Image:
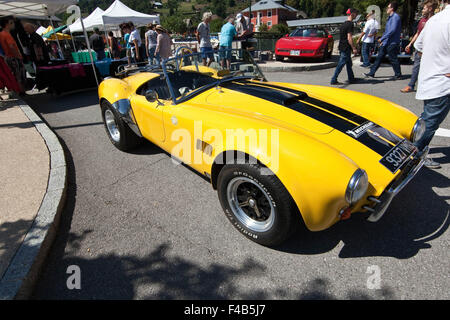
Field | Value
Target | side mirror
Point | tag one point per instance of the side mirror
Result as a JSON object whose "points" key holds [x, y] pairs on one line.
{"points": [[330, 36], [151, 95], [286, 35]]}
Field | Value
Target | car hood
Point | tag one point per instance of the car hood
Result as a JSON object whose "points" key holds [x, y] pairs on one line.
{"points": [[300, 42], [295, 110]]}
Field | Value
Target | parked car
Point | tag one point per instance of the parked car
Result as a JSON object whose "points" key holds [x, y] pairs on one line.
{"points": [[314, 43], [280, 155]]}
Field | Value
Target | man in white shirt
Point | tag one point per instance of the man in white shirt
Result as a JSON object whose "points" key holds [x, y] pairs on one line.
{"points": [[368, 38], [434, 75], [135, 42]]}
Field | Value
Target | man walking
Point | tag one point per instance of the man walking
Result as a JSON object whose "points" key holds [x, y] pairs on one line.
{"points": [[346, 47], [368, 38], [427, 12], [204, 39], [390, 43], [434, 76]]}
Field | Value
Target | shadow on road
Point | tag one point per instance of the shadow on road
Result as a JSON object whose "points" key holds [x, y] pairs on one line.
{"points": [[416, 216], [167, 276], [45, 103]]}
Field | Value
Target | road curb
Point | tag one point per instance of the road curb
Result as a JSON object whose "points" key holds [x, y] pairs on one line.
{"points": [[22, 273]]}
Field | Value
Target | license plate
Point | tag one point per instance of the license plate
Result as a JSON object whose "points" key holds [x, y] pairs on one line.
{"points": [[398, 155], [295, 52]]}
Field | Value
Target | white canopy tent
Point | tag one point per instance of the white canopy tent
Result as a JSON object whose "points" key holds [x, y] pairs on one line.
{"points": [[118, 13], [91, 21], [33, 7]]}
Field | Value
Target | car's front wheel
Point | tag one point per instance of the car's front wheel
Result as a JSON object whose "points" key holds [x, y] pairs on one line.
{"points": [[258, 205], [119, 133]]}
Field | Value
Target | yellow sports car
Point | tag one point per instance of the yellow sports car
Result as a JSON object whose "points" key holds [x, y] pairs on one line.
{"points": [[280, 155]]}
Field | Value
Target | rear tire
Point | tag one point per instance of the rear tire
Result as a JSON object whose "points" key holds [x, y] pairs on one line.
{"points": [[257, 205], [119, 133]]}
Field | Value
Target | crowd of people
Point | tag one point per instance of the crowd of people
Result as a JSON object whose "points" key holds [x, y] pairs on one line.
{"points": [[431, 68], [21, 46]]}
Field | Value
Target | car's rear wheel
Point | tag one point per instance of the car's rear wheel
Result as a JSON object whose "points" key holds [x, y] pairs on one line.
{"points": [[119, 133], [258, 205]]}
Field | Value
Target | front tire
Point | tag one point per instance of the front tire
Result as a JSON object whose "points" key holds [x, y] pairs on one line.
{"points": [[279, 58], [119, 133], [257, 205]]}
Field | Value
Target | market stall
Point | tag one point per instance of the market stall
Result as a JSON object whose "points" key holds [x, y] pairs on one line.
{"points": [[58, 76]]}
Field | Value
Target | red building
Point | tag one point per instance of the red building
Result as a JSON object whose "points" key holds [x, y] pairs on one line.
{"points": [[271, 12]]}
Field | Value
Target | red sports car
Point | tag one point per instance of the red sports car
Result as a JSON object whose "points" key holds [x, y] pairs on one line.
{"points": [[305, 43]]}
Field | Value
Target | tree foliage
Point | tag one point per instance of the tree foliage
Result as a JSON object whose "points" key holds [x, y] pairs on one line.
{"points": [[280, 28]]}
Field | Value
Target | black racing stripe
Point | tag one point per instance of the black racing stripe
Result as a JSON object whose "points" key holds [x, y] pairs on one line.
{"points": [[339, 111], [274, 96], [293, 102], [322, 104], [268, 85]]}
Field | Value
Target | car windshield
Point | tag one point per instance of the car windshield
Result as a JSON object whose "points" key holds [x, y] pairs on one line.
{"points": [[308, 32], [186, 74]]}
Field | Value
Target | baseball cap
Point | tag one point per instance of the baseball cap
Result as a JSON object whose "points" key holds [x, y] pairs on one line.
{"points": [[238, 16]]}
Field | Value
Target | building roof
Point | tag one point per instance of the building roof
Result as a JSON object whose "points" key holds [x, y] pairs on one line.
{"points": [[320, 21], [269, 4]]}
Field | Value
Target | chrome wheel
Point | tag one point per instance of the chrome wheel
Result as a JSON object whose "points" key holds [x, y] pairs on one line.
{"points": [[250, 204], [111, 124]]}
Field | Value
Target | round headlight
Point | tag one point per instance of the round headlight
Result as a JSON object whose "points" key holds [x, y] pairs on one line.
{"points": [[357, 186], [418, 130]]}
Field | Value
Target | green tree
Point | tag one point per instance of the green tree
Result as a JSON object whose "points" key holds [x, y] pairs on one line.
{"points": [[173, 6], [216, 24], [279, 28], [263, 27], [174, 23]]}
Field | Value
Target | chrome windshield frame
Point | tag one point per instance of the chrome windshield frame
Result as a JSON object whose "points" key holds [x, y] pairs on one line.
{"points": [[164, 65]]}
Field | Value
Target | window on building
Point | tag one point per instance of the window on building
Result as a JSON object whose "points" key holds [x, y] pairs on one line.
{"points": [[269, 23], [269, 13]]}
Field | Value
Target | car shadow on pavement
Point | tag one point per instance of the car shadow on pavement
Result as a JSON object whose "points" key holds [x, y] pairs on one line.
{"points": [[416, 216]]}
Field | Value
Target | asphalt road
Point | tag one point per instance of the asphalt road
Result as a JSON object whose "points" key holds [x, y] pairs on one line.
{"points": [[140, 227]]}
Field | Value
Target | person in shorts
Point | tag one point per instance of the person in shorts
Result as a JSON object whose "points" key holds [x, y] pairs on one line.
{"points": [[227, 34], [204, 39]]}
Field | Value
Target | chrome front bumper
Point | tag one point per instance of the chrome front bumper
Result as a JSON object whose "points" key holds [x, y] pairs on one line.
{"points": [[382, 203]]}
